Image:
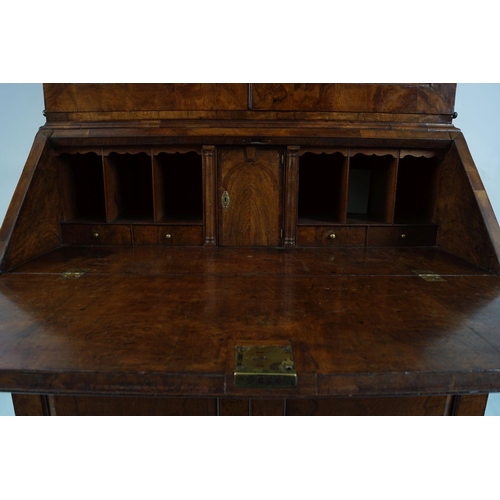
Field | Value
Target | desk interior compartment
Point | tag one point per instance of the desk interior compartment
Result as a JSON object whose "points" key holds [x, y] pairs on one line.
{"points": [[129, 192], [416, 190], [82, 186], [322, 180], [371, 191], [178, 188]]}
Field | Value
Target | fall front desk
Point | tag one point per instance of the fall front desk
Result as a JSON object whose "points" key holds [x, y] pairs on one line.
{"points": [[249, 249]]}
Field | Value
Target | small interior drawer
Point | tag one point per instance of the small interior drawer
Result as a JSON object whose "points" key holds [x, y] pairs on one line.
{"points": [[168, 235], [96, 234], [328, 236], [401, 236]]}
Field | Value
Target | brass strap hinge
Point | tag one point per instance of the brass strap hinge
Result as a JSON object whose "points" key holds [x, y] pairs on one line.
{"points": [[73, 274], [429, 275]]}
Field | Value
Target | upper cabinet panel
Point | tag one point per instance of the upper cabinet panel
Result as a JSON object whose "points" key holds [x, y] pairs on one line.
{"points": [[240, 105], [126, 97], [420, 98]]}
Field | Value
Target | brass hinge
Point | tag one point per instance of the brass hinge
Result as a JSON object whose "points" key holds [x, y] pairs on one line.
{"points": [[282, 159], [73, 274], [429, 275], [281, 233]]}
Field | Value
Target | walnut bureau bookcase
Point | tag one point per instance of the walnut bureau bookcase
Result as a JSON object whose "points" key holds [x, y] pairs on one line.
{"points": [[249, 249]]}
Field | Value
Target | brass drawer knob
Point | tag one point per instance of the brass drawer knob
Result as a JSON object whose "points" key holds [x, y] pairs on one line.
{"points": [[403, 235], [95, 234], [168, 236], [332, 236]]}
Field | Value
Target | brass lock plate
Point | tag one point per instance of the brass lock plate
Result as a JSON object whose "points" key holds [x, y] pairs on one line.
{"points": [[266, 367]]}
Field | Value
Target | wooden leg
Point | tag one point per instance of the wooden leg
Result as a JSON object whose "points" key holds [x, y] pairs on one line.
{"points": [[469, 405], [30, 405]]}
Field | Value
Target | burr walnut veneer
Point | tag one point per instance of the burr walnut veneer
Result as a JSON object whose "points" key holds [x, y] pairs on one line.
{"points": [[157, 227]]}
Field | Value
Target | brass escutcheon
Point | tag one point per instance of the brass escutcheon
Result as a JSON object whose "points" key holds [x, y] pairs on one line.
{"points": [[225, 200]]}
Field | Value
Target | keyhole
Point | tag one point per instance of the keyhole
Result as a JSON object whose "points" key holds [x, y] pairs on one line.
{"points": [[225, 199]]}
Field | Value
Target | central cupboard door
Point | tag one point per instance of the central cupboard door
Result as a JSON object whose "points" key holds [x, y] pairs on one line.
{"points": [[250, 196]]}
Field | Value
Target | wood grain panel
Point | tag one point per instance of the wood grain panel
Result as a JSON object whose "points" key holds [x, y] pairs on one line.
{"points": [[380, 261], [253, 178], [291, 194], [467, 224], [285, 132], [391, 184], [31, 225], [116, 97], [96, 234], [146, 321], [158, 179], [417, 406], [372, 98], [470, 405], [229, 407], [266, 407], [401, 236], [136, 406], [168, 235], [320, 236], [209, 163], [30, 405]]}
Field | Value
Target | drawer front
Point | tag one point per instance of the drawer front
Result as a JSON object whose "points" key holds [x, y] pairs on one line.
{"points": [[96, 234], [168, 235], [397, 236], [377, 406], [331, 236]]}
